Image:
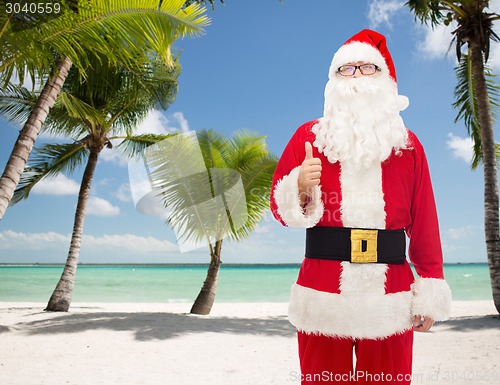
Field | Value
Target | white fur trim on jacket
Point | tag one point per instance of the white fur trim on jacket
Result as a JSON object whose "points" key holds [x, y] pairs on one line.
{"points": [[363, 202], [286, 195], [431, 298], [338, 315], [361, 310]]}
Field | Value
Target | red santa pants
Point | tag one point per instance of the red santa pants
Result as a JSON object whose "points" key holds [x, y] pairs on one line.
{"points": [[330, 360]]}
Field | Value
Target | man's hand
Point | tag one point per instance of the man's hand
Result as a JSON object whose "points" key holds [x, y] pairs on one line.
{"points": [[310, 174], [422, 324]]}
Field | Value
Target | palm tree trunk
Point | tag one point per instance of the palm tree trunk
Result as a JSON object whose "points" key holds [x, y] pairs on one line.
{"points": [[205, 300], [491, 205], [27, 137], [63, 293]]}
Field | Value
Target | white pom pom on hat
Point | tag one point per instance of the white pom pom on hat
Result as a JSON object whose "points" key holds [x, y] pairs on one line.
{"points": [[403, 102]]}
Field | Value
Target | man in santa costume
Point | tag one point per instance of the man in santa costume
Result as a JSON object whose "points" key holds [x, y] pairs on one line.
{"points": [[358, 180]]}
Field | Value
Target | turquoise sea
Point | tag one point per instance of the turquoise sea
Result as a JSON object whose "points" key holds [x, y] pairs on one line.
{"points": [[181, 283]]}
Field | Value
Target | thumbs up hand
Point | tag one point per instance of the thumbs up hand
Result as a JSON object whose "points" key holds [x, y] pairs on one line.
{"points": [[310, 174]]}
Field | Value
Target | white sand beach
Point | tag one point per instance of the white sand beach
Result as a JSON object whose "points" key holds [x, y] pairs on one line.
{"points": [[239, 343]]}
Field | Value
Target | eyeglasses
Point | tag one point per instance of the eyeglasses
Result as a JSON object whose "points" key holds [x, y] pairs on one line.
{"points": [[365, 69]]}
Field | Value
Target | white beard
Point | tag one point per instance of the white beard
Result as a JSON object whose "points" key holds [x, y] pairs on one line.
{"points": [[361, 123]]}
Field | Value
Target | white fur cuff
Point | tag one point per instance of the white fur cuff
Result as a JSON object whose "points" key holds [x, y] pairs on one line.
{"points": [[431, 298], [286, 195], [373, 316]]}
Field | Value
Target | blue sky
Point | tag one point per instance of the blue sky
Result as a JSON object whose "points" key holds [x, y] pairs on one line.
{"points": [[262, 65]]}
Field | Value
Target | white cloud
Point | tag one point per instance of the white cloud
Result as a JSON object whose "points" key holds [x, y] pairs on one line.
{"points": [[103, 182], [382, 11], [262, 229], [155, 123], [133, 244], [436, 41], [461, 147], [100, 245], [494, 59], [152, 205], [59, 185], [494, 6], [27, 81], [31, 241], [461, 232], [182, 121], [101, 207], [123, 193], [267, 225], [113, 156]]}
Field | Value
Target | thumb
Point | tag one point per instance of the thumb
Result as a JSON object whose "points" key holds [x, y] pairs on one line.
{"points": [[309, 150]]}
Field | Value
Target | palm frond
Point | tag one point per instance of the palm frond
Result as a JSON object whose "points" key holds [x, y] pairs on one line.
{"points": [[108, 84], [188, 2], [112, 98], [466, 102], [246, 147], [245, 160], [16, 103], [127, 119], [474, 23], [125, 32], [135, 146], [178, 174], [427, 11], [162, 81], [218, 189], [48, 161], [154, 87], [212, 145], [60, 123], [79, 110], [256, 178]]}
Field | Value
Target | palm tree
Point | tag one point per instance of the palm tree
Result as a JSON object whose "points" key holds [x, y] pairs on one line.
{"points": [[475, 30], [103, 108], [127, 32], [213, 187]]}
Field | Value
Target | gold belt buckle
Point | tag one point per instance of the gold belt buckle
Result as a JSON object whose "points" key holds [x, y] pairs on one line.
{"points": [[357, 253]]}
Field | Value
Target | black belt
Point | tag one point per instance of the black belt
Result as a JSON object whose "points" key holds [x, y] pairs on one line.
{"points": [[356, 245]]}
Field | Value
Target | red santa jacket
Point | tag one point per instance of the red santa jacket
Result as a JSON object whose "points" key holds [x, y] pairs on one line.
{"points": [[368, 300]]}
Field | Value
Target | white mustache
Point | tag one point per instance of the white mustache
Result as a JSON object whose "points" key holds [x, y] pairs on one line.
{"points": [[354, 86]]}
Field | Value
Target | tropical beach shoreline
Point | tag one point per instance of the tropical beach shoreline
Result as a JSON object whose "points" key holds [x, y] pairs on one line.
{"points": [[238, 343]]}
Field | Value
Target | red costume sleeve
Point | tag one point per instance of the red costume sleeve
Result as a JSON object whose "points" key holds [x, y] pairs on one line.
{"points": [[432, 296], [285, 201], [425, 243]]}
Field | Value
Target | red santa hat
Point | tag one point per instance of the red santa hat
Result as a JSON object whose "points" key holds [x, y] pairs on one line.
{"points": [[367, 46]]}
